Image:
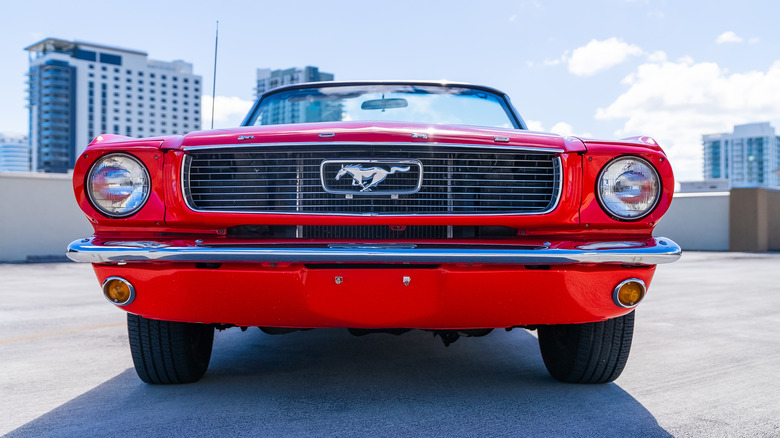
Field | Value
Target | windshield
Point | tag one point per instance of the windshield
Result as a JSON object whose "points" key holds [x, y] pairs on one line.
{"points": [[397, 103]]}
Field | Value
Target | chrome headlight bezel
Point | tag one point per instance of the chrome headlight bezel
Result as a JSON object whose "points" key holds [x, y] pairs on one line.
{"points": [[628, 214], [138, 171]]}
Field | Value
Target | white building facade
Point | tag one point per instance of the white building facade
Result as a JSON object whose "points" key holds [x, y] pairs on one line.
{"points": [[14, 154], [747, 157], [80, 90]]}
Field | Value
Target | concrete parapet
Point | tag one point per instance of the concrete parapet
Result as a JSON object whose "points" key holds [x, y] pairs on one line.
{"points": [[744, 219], [39, 216], [755, 224]]}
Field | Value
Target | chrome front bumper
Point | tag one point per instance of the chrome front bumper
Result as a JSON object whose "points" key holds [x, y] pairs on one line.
{"points": [[656, 251]]}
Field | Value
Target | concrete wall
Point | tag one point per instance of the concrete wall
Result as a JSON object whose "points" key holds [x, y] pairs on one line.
{"points": [[755, 224], [697, 221], [773, 221], [39, 216], [745, 219]]}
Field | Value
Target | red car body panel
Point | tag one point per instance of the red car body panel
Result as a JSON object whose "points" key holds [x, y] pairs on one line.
{"points": [[439, 296], [445, 297]]}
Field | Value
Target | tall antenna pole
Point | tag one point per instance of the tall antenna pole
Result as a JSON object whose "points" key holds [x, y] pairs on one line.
{"points": [[214, 85]]}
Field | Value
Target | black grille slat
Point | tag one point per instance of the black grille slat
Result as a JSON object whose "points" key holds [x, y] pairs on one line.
{"points": [[456, 180], [373, 232]]}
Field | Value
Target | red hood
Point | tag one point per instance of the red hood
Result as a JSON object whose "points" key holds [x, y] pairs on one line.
{"points": [[389, 132]]}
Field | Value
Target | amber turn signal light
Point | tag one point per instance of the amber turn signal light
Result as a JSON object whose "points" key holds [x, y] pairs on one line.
{"points": [[118, 291], [629, 293]]}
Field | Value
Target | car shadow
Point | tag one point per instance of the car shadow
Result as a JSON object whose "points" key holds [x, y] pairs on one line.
{"points": [[329, 383]]}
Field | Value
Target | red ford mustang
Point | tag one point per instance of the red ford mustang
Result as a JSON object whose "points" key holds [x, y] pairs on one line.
{"points": [[378, 207]]}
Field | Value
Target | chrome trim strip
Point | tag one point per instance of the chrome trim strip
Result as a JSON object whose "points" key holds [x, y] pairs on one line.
{"points": [[366, 143], [662, 250]]}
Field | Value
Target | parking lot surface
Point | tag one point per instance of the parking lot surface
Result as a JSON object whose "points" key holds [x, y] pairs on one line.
{"points": [[705, 362]]}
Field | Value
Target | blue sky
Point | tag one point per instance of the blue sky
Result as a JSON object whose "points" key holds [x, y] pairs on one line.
{"points": [[673, 70]]}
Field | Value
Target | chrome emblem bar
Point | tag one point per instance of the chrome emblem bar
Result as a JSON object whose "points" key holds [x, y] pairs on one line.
{"points": [[366, 175]]}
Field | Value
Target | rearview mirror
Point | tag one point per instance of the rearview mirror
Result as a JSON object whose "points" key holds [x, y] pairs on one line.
{"points": [[384, 104]]}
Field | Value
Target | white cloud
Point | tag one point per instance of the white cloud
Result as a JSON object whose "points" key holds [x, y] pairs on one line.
{"points": [[228, 111], [566, 130], [657, 56], [561, 128], [678, 102], [597, 56], [754, 40], [534, 125], [728, 37]]}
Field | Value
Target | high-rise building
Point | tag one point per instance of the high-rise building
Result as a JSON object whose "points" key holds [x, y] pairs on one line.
{"points": [[14, 154], [80, 90], [283, 111], [749, 156], [268, 79]]}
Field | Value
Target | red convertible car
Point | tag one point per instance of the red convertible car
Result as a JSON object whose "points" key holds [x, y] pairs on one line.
{"points": [[377, 207]]}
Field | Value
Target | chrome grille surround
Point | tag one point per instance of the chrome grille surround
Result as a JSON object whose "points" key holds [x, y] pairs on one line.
{"points": [[458, 180]]}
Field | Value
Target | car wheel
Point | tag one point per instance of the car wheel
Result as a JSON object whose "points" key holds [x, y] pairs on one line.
{"points": [[166, 352], [595, 352]]}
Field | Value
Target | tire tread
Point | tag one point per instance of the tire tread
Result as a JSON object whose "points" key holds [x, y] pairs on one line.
{"points": [[593, 352], [169, 352]]}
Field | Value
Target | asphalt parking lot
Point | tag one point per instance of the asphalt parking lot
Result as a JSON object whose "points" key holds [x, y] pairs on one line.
{"points": [[705, 362]]}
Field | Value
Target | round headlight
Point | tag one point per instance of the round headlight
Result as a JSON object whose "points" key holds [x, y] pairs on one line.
{"points": [[628, 188], [118, 185]]}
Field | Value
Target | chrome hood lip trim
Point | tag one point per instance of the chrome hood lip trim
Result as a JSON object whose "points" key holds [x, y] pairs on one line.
{"points": [[422, 145], [662, 250]]}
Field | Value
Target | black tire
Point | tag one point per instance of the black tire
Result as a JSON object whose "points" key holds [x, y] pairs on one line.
{"points": [[595, 352], [166, 352]]}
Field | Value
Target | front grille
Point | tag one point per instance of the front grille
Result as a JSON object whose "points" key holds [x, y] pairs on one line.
{"points": [[458, 180], [373, 232]]}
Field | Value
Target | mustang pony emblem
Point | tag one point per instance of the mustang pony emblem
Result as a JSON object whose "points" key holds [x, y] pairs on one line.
{"points": [[368, 177]]}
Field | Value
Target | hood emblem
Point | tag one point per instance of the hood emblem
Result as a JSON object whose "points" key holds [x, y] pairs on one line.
{"points": [[371, 177], [367, 178]]}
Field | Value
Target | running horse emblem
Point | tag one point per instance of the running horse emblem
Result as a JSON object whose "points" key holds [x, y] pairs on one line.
{"points": [[367, 178]]}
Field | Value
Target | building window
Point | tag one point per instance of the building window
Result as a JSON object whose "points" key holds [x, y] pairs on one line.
{"points": [[86, 55], [107, 58]]}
